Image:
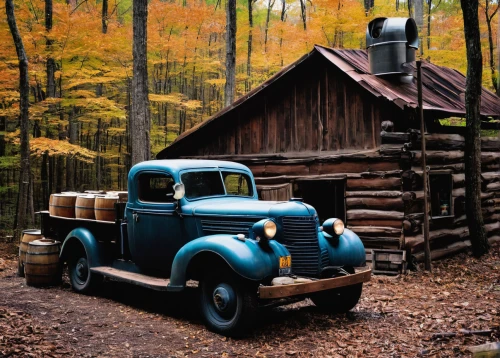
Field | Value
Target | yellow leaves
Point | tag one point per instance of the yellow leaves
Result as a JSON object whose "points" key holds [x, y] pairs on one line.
{"points": [[172, 98], [38, 146], [219, 82]]}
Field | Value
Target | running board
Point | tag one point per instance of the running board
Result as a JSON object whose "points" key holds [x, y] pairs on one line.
{"points": [[154, 283]]}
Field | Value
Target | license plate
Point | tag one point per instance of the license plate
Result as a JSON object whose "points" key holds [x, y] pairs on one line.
{"points": [[285, 261]]}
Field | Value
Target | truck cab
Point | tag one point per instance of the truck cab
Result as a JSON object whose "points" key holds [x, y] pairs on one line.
{"points": [[200, 221]]}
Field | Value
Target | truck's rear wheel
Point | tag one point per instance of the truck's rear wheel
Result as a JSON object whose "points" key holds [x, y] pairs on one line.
{"points": [[338, 300], [228, 306], [81, 278]]}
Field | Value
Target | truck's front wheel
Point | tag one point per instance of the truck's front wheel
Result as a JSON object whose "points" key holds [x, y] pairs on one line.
{"points": [[228, 306], [81, 278], [338, 300]]}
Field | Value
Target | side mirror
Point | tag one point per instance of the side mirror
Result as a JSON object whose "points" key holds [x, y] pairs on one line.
{"points": [[179, 191]]}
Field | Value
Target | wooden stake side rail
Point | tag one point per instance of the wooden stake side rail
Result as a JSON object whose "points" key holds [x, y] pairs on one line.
{"points": [[270, 292]]}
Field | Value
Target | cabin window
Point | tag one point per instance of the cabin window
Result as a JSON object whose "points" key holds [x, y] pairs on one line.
{"points": [[237, 184], [156, 188], [326, 196], [441, 185]]}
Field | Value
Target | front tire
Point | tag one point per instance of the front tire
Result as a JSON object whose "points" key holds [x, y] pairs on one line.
{"points": [[227, 305], [81, 278], [338, 300]]}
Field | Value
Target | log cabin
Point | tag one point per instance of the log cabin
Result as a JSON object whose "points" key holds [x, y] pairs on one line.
{"points": [[332, 130]]}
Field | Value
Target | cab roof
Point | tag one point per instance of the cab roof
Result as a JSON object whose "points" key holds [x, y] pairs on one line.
{"points": [[176, 165]]}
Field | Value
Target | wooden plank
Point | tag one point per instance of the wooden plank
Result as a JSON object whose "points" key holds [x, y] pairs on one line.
{"points": [[271, 292], [383, 222], [375, 230], [158, 284]]}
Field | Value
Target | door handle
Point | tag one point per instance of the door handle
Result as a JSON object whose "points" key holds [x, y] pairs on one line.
{"points": [[136, 217]]}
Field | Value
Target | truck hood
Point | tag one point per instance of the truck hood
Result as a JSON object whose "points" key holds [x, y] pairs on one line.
{"points": [[247, 207]]}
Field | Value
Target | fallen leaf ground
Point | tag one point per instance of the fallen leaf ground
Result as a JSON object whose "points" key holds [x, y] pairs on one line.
{"points": [[396, 317]]}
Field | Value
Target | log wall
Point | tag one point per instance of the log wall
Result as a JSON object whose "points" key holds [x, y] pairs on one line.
{"points": [[445, 154]]}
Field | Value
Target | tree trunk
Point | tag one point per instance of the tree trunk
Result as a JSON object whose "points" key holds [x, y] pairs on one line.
{"points": [[230, 87], [104, 16], [24, 177], [489, 19], [303, 13], [73, 139], [140, 120], [270, 5], [51, 64], [478, 237], [429, 2], [248, 84]]}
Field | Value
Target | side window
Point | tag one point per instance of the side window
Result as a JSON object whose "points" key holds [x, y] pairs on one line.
{"points": [[441, 188], [156, 188], [237, 184]]}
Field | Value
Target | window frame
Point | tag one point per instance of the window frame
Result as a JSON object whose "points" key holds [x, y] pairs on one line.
{"points": [[152, 174], [451, 213]]}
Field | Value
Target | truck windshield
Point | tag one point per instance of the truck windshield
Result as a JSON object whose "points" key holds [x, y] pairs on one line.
{"points": [[210, 183]]}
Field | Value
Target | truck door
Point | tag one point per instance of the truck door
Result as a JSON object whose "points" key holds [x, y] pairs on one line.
{"points": [[154, 225]]}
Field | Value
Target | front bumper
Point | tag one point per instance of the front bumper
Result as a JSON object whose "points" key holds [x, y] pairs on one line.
{"points": [[283, 291]]}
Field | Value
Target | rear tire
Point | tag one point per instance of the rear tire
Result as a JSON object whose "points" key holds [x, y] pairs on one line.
{"points": [[81, 278], [338, 300], [227, 305]]}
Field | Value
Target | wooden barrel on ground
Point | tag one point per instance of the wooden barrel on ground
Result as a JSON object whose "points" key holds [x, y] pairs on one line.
{"points": [[63, 205], [105, 208], [84, 207], [42, 263], [28, 236]]}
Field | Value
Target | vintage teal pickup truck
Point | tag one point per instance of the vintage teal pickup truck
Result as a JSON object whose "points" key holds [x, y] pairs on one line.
{"points": [[201, 220]]}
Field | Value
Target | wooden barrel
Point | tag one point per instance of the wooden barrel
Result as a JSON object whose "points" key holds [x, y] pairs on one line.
{"points": [[84, 207], [63, 205], [104, 208], [42, 263], [122, 195], [28, 236]]}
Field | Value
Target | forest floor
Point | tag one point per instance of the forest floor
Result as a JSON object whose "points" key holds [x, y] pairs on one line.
{"points": [[396, 317]]}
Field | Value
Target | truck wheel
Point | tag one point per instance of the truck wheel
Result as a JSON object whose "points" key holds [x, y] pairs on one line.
{"points": [[81, 278], [338, 300], [228, 306]]}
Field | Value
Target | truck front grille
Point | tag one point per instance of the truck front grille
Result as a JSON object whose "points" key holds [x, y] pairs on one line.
{"points": [[220, 226], [301, 239]]}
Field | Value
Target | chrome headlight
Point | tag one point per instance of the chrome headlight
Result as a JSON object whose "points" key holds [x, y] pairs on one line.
{"points": [[338, 227], [334, 227], [269, 229], [264, 230]]}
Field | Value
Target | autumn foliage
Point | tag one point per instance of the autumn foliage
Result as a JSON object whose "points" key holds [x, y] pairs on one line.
{"points": [[186, 53]]}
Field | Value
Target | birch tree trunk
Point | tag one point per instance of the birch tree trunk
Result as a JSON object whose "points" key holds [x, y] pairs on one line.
{"points": [[23, 207], [140, 120], [472, 149], [230, 87]]}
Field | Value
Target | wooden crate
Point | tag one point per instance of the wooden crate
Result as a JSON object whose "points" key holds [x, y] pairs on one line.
{"points": [[388, 262]]}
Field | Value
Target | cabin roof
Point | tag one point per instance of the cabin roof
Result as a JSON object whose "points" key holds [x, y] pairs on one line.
{"points": [[443, 88]]}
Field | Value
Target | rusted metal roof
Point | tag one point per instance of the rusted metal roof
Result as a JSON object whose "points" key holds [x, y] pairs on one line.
{"points": [[443, 88]]}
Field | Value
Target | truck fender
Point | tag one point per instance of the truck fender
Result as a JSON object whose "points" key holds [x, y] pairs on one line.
{"points": [[246, 258], [347, 250], [83, 237]]}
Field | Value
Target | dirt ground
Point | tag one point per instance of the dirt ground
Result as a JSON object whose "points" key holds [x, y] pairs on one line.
{"points": [[396, 317]]}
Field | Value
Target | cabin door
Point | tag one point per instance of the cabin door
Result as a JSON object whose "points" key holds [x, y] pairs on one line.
{"points": [[326, 196]]}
